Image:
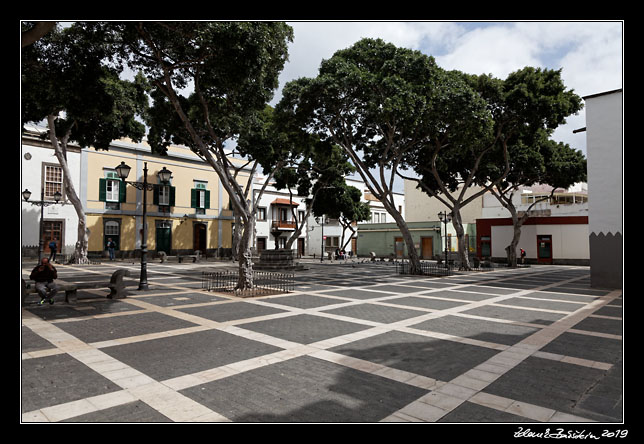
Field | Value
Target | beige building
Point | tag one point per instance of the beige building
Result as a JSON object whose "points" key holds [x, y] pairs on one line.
{"points": [[420, 207]]}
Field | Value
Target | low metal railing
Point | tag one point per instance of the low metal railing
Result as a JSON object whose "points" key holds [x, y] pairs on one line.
{"points": [[426, 269], [264, 282]]}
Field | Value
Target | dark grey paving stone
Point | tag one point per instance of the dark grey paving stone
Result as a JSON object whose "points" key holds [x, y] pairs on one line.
{"points": [[465, 296], [184, 354], [304, 389], [587, 291], [516, 314], [548, 305], [30, 341], [169, 300], [303, 301], [397, 289], [61, 310], [57, 379], [497, 291], [376, 313], [132, 412], [425, 302], [609, 310], [304, 329], [103, 329], [561, 296], [232, 311], [434, 358], [594, 348], [559, 386], [600, 325], [356, 294], [479, 329], [475, 413]]}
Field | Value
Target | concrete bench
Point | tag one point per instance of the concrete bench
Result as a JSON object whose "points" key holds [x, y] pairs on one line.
{"points": [[195, 257], [116, 286], [180, 257]]}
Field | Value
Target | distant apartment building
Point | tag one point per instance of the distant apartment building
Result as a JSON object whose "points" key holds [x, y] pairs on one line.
{"points": [[279, 215]]}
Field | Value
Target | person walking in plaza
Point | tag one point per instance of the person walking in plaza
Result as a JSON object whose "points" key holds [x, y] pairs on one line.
{"points": [[111, 245], [44, 275], [53, 249]]}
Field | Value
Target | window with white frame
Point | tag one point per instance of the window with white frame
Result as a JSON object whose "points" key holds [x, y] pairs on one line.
{"points": [[200, 196], [164, 195], [53, 180], [112, 187]]}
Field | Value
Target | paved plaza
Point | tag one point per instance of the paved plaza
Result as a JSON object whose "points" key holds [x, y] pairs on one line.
{"points": [[352, 343]]}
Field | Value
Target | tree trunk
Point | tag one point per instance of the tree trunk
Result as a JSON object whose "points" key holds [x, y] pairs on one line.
{"points": [[511, 250], [414, 259], [60, 149], [463, 249], [244, 256]]}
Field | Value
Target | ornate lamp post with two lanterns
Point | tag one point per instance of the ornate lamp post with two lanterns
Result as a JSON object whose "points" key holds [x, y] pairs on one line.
{"points": [[164, 176]]}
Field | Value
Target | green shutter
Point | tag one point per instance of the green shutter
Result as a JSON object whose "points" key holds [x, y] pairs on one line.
{"points": [[193, 198], [122, 190], [172, 193], [207, 199], [155, 196], [102, 186]]}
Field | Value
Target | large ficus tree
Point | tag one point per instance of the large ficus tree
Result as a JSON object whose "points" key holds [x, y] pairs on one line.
{"points": [[214, 78], [67, 81], [372, 100], [480, 123]]}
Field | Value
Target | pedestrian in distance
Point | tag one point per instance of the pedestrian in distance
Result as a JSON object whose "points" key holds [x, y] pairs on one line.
{"points": [[53, 248], [111, 245], [44, 275], [522, 256]]}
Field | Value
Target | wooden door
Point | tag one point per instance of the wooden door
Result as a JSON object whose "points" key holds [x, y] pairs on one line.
{"points": [[399, 246], [199, 238], [52, 229], [426, 247]]}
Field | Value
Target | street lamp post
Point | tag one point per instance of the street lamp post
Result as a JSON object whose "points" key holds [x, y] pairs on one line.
{"points": [[164, 175], [42, 203], [444, 217], [322, 235]]}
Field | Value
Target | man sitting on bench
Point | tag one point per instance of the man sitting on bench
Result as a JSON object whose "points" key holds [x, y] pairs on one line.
{"points": [[44, 275]]}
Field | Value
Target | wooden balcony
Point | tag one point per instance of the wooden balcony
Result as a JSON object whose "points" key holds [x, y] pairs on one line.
{"points": [[283, 225]]}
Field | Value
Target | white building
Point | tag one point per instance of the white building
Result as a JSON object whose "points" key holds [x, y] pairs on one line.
{"points": [[333, 231], [570, 202], [41, 171], [276, 218]]}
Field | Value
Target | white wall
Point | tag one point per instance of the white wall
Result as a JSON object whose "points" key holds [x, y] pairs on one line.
{"points": [[605, 162], [31, 177], [568, 241]]}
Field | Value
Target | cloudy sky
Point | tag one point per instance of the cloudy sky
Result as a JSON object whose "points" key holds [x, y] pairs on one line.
{"points": [[590, 53]]}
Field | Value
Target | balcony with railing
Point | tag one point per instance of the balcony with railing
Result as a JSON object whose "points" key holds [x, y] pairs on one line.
{"points": [[283, 225]]}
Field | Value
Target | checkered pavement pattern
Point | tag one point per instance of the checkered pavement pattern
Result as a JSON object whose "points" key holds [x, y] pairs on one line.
{"points": [[354, 343]]}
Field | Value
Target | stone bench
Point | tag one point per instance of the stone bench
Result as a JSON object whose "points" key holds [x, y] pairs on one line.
{"points": [[116, 286], [195, 257]]}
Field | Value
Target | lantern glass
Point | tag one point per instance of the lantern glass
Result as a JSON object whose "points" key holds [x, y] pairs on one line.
{"points": [[164, 175], [123, 170]]}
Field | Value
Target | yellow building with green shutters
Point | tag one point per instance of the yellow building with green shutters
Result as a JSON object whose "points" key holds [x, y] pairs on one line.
{"points": [[189, 213]]}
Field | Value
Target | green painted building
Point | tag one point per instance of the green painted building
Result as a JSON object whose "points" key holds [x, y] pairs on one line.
{"points": [[386, 239]]}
